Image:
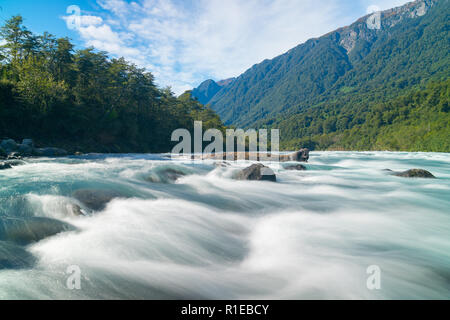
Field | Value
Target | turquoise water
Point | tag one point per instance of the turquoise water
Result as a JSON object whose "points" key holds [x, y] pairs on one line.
{"points": [[311, 235]]}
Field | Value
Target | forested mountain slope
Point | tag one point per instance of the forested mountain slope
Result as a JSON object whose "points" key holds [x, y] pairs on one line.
{"points": [[329, 85]]}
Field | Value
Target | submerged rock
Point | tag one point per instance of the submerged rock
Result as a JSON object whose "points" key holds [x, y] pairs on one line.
{"points": [[257, 172], [75, 210], [13, 256], [29, 230], [11, 163], [165, 175], [222, 164], [297, 167], [96, 199], [5, 165], [415, 173]]}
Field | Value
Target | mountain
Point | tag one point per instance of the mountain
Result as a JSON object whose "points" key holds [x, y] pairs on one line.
{"points": [[208, 89], [331, 83]]}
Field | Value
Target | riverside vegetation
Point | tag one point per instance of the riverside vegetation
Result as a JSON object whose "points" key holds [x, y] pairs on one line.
{"points": [[83, 100]]}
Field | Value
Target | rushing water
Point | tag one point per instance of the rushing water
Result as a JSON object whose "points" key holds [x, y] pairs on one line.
{"points": [[311, 235]]}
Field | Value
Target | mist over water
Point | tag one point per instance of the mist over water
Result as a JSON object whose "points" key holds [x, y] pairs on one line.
{"points": [[311, 235]]}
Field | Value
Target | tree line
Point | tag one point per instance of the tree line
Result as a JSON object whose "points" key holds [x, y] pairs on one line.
{"points": [[84, 100]]}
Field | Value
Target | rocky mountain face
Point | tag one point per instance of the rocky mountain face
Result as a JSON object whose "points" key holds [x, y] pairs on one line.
{"points": [[337, 63]]}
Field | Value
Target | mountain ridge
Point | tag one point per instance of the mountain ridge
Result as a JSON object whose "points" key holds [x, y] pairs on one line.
{"points": [[314, 71]]}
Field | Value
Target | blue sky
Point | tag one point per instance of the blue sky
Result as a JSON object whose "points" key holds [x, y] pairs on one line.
{"points": [[183, 42]]}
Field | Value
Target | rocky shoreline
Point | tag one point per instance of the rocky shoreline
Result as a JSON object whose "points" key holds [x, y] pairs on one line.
{"points": [[11, 150]]}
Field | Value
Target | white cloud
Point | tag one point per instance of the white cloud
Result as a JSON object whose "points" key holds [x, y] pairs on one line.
{"points": [[184, 42]]}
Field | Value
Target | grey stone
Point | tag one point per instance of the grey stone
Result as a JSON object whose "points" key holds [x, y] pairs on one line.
{"points": [[29, 230], [257, 172], [415, 173], [293, 167], [96, 199]]}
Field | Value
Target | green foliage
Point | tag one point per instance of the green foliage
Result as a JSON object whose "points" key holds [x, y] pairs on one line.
{"points": [[85, 101], [417, 121]]}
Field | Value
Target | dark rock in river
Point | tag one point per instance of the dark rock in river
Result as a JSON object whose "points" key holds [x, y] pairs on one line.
{"points": [[14, 156], [257, 172], [301, 155], [222, 164], [165, 175], [293, 167], [415, 173], [11, 163], [29, 230], [5, 165], [13, 256], [95, 199]]}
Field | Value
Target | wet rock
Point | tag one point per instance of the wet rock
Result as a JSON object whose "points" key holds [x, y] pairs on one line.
{"points": [[299, 156], [257, 172], [222, 164], [165, 175], [29, 230], [294, 167], [14, 156], [5, 165], [13, 256], [415, 173], [96, 199], [11, 163], [76, 210]]}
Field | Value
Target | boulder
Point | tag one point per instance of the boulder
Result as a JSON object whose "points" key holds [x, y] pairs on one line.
{"points": [[300, 156], [293, 167], [13, 256], [96, 199], [28, 230], [15, 163], [50, 152], [8, 145], [14, 156], [5, 165], [75, 210], [257, 172], [415, 173], [165, 175]]}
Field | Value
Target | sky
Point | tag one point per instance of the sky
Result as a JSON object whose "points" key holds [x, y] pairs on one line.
{"points": [[184, 42]]}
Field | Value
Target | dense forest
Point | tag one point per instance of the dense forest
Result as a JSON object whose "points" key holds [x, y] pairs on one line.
{"points": [[416, 121], [82, 100]]}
